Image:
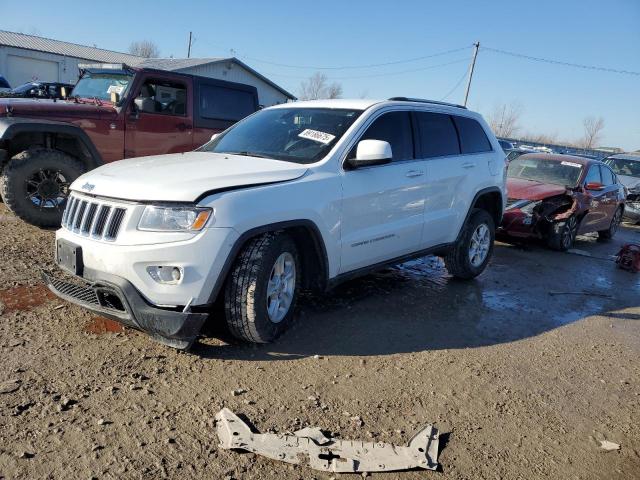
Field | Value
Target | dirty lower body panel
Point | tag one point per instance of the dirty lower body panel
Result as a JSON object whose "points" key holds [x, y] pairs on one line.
{"points": [[311, 447], [116, 298]]}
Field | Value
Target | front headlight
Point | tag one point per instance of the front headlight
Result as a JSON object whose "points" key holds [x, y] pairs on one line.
{"points": [[528, 208], [174, 219]]}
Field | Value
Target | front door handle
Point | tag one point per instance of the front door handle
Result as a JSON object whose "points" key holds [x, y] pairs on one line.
{"points": [[184, 126], [414, 173], [468, 165]]}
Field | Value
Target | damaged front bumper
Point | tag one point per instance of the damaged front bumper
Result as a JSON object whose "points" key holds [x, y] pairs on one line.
{"points": [[116, 298], [632, 210]]}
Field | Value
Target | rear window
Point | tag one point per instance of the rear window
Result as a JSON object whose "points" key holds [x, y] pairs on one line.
{"points": [[225, 103], [472, 136], [438, 135]]}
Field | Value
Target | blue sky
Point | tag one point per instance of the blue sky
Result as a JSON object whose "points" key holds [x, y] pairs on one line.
{"points": [[555, 99]]}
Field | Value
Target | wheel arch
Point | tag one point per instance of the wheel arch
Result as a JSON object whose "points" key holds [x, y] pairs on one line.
{"points": [[17, 135], [309, 241], [488, 199]]}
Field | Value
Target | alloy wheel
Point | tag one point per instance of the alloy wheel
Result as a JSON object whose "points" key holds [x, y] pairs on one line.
{"points": [[47, 189], [569, 232], [281, 287], [480, 244]]}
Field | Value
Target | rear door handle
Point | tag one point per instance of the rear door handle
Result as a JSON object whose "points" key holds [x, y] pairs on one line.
{"points": [[414, 173], [468, 165]]}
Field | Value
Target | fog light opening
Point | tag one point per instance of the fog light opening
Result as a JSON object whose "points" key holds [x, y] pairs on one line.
{"points": [[166, 274]]}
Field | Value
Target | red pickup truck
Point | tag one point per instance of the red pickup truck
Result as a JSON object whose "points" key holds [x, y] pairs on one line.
{"points": [[113, 112]]}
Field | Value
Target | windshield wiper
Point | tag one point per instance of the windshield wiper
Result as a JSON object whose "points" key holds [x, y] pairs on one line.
{"points": [[249, 154]]}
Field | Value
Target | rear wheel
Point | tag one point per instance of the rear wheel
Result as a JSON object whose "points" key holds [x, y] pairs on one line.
{"points": [[563, 234], [470, 256], [613, 227], [35, 185], [262, 289]]}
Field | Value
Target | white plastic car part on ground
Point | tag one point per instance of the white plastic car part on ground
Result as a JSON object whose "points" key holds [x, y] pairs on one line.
{"points": [[311, 447]]}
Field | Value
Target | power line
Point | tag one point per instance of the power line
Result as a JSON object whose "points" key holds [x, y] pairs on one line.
{"points": [[558, 62], [349, 67], [464, 74], [374, 74]]}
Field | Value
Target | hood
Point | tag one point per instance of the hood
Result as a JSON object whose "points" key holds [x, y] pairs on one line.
{"points": [[49, 108], [629, 182], [521, 189], [183, 177]]}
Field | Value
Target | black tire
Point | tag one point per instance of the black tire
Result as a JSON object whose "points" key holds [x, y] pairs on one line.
{"points": [[245, 296], [562, 235], [42, 171], [458, 261], [613, 227]]}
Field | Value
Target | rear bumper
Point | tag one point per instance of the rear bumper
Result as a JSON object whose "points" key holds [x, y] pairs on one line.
{"points": [[116, 298]]}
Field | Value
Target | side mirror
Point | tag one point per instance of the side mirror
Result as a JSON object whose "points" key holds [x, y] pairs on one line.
{"points": [[597, 186], [115, 97], [371, 152]]}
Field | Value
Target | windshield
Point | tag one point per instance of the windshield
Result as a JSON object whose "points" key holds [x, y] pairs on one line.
{"points": [[100, 85], [300, 135], [629, 168], [565, 172]]}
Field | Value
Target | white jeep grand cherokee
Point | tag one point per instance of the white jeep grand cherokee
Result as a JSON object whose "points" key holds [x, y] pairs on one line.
{"points": [[296, 196]]}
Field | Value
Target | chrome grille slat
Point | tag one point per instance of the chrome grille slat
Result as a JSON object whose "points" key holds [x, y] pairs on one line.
{"points": [[92, 217]]}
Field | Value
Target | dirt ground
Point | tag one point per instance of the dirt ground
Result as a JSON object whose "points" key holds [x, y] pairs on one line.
{"points": [[524, 371]]}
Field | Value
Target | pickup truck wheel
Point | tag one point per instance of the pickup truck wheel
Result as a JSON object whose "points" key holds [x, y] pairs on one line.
{"points": [[35, 185], [262, 289], [474, 248]]}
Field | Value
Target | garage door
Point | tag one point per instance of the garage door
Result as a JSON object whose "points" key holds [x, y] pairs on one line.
{"points": [[24, 69]]}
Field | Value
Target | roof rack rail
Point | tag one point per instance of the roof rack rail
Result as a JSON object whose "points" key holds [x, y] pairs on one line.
{"points": [[422, 100]]}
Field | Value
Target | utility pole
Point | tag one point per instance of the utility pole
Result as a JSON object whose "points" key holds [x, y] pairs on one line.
{"points": [[189, 49], [473, 65]]}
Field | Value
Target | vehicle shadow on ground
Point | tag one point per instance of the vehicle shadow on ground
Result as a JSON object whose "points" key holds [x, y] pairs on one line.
{"points": [[418, 306]]}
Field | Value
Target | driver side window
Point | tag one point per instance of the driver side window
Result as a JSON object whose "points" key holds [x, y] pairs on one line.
{"points": [[166, 98], [593, 175], [395, 128]]}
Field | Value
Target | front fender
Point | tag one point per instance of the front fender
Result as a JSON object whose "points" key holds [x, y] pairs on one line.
{"points": [[10, 127]]}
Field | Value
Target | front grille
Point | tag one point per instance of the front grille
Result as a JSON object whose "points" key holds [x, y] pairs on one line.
{"points": [[81, 293], [104, 297], [95, 218]]}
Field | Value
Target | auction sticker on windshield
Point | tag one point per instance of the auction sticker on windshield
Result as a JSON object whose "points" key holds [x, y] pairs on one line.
{"points": [[571, 164], [317, 136]]}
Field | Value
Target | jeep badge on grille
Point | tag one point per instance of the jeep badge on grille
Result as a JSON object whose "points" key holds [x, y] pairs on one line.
{"points": [[88, 187]]}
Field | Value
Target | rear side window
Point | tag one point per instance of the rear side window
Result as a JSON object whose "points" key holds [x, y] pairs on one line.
{"points": [[395, 128], [607, 176], [225, 103], [472, 136], [438, 135]]}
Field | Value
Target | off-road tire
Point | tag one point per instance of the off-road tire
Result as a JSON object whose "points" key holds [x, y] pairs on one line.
{"points": [[23, 166], [457, 260], [609, 233], [557, 232], [245, 296]]}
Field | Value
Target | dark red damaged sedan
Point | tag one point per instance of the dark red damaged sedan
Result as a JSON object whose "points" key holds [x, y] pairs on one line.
{"points": [[556, 197]]}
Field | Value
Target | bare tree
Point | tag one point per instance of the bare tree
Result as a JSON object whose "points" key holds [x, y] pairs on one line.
{"points": [[504, 119], [592, 132], [317, 86], [144, 48]]}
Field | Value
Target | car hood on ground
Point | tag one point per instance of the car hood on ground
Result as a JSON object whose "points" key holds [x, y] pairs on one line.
{"points": [[183, 177], [629, 182], [521, 189]]}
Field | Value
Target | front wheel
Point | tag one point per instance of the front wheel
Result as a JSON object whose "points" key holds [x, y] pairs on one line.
{"points": [[474, 248], [613, 226], [35, 185], [563, 234], [262, 288]]}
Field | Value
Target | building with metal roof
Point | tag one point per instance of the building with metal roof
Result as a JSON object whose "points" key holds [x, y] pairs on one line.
{"points": [[27, 58]]}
